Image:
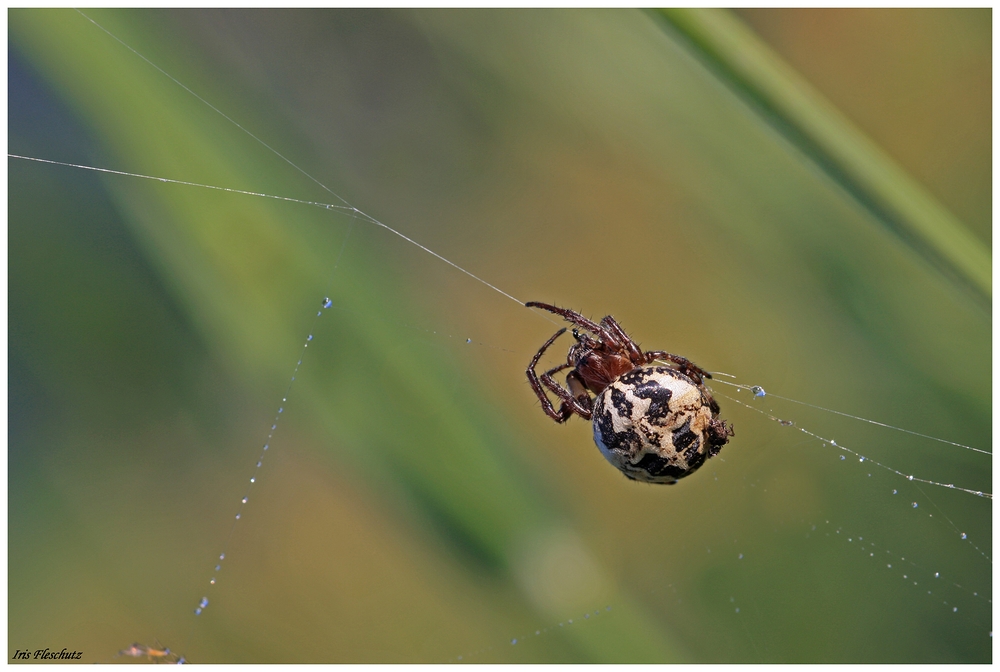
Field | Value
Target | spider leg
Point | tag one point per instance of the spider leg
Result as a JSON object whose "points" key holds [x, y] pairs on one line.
{"points": [[563, 413], [579, 404], [687, 367], [634, 352], [570, 316]]}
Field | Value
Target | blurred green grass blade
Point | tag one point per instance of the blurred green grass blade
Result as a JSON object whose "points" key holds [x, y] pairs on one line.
{"points": [[815, 126]]}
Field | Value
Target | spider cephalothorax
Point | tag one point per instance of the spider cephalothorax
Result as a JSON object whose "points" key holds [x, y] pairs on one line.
{"points": [[654, 423]]}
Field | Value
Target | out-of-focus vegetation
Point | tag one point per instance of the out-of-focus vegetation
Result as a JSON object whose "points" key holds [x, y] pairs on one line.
{"points": [[826, 135], [415, 504]]}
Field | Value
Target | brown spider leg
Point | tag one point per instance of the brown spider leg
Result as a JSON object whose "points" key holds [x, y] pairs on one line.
{"points": [[634, 352], [687, 367], [570, 316], [563, 413], [570, 403]]}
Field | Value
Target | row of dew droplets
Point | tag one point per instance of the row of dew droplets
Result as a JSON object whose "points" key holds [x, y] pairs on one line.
{"points": [[871, 548], [203, 604], [514, 641], [757, 391], [910, 571]]}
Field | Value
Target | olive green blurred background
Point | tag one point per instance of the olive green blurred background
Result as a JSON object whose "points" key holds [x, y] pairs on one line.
{"points": [[416, 505]]}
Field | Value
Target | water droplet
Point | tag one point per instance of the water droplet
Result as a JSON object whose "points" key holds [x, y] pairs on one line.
{"points": [[915, 505], [965, 536], [327, 302], [309, 337]]}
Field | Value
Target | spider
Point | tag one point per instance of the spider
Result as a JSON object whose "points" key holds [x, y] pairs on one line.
{"points": [[655, 423]]}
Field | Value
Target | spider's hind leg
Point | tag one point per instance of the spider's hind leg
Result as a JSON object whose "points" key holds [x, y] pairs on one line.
{"points": [[684, 365]]}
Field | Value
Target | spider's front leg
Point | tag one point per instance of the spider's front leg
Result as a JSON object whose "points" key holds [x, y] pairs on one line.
{"points": [[569, 315]]}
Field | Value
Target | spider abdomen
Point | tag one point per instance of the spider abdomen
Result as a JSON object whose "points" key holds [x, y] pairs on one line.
{"points": [[656, 425]]}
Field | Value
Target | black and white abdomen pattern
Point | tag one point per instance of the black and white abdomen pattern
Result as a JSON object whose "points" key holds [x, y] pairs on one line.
{"points": [[651, 424]]}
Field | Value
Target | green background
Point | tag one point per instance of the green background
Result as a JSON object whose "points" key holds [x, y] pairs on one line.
{"points": [[416, 505]]}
